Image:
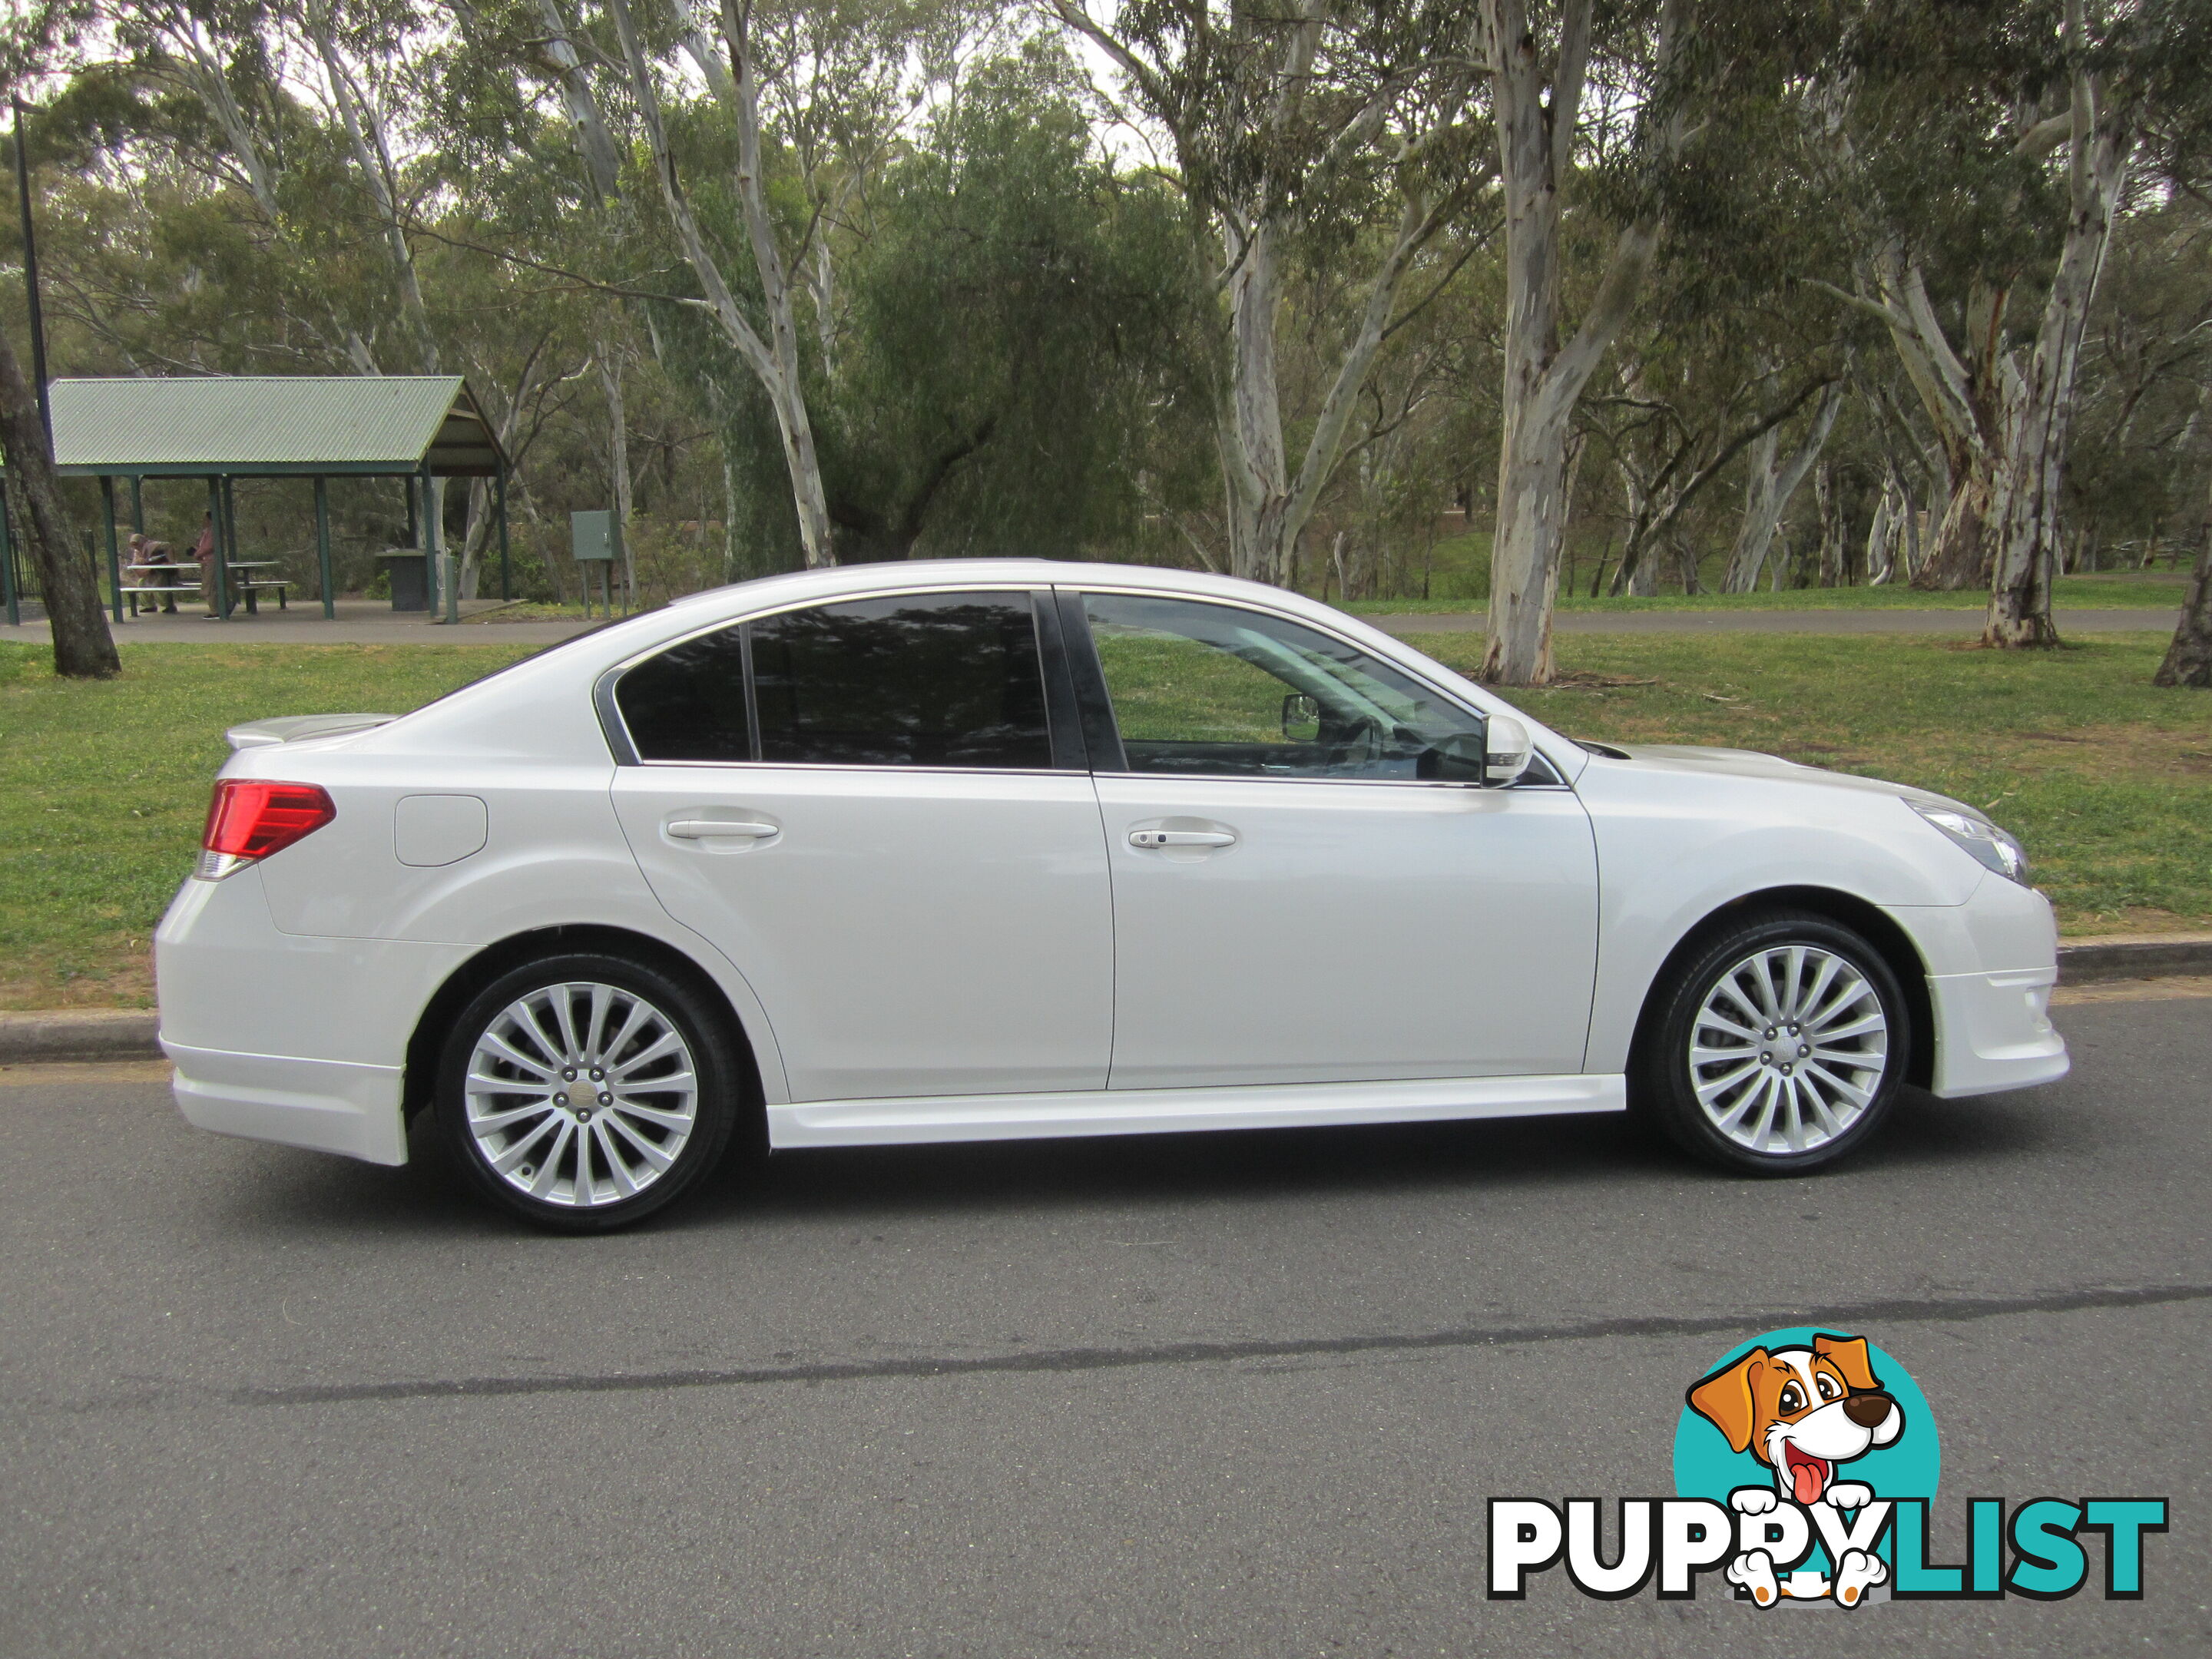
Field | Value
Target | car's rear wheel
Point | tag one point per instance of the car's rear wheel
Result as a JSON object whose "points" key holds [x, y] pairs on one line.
{"points": [[584, 1092], [1780, 1048]]}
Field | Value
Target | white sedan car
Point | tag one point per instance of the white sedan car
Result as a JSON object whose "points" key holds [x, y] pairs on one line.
{"points": [[988, 850]]}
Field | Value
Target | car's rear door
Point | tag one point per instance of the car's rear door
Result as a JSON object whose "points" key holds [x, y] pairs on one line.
{"points": [[892, 837], [1294, 901]]}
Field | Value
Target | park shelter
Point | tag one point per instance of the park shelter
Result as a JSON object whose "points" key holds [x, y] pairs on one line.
{"points": [[222, 427]]}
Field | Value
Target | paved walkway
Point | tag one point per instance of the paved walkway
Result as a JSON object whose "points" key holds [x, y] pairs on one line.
{"points": [[367, 622], [358, 621]]}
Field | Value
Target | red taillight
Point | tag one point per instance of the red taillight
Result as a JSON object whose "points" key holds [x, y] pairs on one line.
{"points": [[251, 817]]}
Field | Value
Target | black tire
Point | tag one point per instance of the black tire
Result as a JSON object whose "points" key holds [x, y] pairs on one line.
{"points": [[635, 1127], [1665, 1076]]}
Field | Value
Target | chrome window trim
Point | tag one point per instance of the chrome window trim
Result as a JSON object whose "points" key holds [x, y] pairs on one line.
{"points": [[1052, 772], [616, 729], [625, 748], [1452, 697]]}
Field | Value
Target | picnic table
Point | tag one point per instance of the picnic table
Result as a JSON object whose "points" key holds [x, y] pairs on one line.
{"points": [[183, 577]]}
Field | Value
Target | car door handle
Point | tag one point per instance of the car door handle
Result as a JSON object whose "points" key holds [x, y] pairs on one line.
{"points": [[706, 829], [1182, 838]]}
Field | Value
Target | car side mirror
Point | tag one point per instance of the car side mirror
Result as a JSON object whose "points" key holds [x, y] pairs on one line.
{"points": [[1509, 749], [1300, 710]]}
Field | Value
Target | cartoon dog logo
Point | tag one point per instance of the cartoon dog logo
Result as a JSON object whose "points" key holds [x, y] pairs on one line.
{"points": [[1803, 1413]]}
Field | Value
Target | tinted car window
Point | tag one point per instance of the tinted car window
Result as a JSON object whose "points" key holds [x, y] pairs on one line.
{"points": [[688, 702], [1216, 690], [911, 679]]}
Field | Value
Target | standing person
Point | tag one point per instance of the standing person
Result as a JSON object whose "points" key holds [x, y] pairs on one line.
{"points": [[150, 557], [204, 550]]}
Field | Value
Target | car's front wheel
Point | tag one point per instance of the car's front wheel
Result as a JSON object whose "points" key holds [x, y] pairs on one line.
{"points": [[1780, 1048], [583, 1092]]}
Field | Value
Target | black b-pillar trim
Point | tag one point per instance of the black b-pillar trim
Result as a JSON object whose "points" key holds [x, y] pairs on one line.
{"points": [[1062, 714], [1101, 735]]}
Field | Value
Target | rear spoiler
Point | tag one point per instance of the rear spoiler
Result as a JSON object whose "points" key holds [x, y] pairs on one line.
{"points": [[263, 734]]}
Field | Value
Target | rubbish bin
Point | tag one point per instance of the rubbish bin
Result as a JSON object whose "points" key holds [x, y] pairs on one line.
{"points": [[406, 571]]}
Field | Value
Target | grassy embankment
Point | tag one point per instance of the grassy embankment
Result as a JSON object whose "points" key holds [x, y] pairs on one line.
{"points": [[2107, 779]]}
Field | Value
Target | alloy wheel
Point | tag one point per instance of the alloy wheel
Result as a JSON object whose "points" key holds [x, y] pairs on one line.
{"points": [[581, 1094], [1788, 1049]]}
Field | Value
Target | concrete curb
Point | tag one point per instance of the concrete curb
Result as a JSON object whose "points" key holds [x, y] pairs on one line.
{"points": [[129, 1033], [2084, 962], [79, 1034]]}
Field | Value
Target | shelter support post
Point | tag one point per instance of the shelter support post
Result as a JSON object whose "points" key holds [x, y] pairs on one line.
{"points": [[505, 561], [137, 504], [114, 563], [217, 572], [8, 566], [427, 520], [451, 575], [323, 544]]}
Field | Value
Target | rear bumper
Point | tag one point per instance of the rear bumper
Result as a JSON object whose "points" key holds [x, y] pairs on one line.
{"points": [[330, 1106], [278, 1036]]}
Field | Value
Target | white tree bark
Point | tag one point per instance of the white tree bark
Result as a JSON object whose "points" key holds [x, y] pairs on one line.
{"points": [[1268, 503], [774, 360], [2028, 534], [559, 56], [1544, 379], [372, 157], [1770, 483]]}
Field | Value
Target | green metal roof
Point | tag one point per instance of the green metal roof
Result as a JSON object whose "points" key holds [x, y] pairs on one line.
{"points": [[199, 425]]}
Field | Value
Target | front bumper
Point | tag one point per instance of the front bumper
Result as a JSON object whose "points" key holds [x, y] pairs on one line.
{"points": [[1991, 964], [277, 1037], [1993, 1031]]}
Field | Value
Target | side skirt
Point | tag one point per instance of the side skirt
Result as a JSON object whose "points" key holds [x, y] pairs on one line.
{"points": [[1162, 1111]]}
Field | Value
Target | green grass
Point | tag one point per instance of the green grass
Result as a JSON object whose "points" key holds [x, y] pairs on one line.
{"points": [[104, 786], [2107, 779], [2118, 592], [1459, 581]]}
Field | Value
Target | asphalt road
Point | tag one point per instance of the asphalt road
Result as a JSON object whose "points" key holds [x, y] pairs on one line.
{"points": [[1220, 1395]]}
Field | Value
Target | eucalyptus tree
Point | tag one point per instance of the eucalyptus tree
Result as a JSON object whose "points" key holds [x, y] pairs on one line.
{"points": [[1292, 122], [1538, 59], [1989, 151], [1011, 308], [833, 78]]}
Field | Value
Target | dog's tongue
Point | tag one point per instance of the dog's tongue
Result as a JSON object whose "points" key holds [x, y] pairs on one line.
{"points": [[1805, 1480]]}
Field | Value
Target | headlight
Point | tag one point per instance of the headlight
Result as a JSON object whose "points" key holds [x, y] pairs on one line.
{"points": [[1990, 846]]}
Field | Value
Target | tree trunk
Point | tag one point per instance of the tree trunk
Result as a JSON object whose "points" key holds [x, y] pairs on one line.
{"points": [[1269, 506], [611, 382], [559, 55], [2027, 531], [729, 515], [83, 647], [2189, 659], [371, 155], [1768, 487], [774, 360], [1543, 379]]}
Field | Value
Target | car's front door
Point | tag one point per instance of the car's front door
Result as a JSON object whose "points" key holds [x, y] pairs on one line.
{"points": [[883, 840], [1298, 896]]}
